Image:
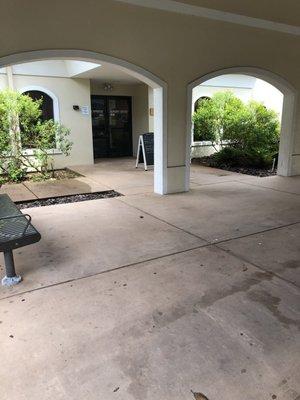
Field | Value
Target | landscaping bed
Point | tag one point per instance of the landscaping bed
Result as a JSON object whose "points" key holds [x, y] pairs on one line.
{"points": [[56, 175], [67, 199], [209, 161]]}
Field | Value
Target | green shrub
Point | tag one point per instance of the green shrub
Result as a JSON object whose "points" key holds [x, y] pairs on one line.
{"points": [[21, 127], [216, 117], [249, 133], [232, 157]]}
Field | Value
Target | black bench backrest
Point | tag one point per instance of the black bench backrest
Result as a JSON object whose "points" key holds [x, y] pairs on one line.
{"points": [[15, 227]]}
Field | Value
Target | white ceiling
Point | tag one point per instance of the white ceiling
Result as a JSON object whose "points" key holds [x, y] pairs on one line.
{"points": [[74, 69], [109, 73]]}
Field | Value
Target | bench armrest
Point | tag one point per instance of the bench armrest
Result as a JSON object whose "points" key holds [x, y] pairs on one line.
{"points": [[26, 216]]}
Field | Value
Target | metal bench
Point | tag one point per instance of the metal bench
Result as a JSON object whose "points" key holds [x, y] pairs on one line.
{"points": [[16, 231]]}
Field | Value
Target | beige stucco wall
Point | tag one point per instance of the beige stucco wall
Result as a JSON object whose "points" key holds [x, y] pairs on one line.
{"points": [[69, 92], [139, 95], [177, 48], [276, 10]]}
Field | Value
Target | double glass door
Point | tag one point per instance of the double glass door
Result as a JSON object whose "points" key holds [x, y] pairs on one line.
{"points": [[112, 126]]}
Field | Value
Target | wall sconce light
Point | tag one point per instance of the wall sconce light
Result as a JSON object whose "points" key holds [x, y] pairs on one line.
{"points": [[108, 87]]}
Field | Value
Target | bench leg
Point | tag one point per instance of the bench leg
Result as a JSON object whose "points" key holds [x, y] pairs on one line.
{"points": [[11, 278]]}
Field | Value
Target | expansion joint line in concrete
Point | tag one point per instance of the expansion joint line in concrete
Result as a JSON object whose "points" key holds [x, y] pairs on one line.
{"points": [[243, 259], [162, 220], [208, 243], [244, 183], [162, 257], [268, 188], [24, 184]]}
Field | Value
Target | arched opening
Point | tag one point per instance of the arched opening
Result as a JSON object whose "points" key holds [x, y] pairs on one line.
{"points": [[46, 103], [158, 87], [50, 103], [287, 130]]}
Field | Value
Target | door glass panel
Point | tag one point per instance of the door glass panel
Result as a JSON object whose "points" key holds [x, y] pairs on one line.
{"points": [[100, 131], [112, 130], [120, 126]]}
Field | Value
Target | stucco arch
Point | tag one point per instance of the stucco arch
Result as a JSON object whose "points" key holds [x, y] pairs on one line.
{"points": [[158, 85], [288, 123]]}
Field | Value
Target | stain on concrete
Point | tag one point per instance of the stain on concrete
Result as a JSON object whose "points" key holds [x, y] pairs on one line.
{"points": [[135, 367], [283, 382], [290, 264], [272, 304], [213, 296], [163, 319]]}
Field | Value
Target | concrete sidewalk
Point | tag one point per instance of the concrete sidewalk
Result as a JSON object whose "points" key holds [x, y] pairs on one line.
{"points": [[149, 297], [53, 188]]}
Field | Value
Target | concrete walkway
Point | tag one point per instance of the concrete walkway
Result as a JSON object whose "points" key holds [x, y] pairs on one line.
{"points": [[53, 188], [148, 297]]}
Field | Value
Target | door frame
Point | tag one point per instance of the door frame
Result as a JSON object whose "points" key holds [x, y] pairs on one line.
{"points": [[107, 97]]}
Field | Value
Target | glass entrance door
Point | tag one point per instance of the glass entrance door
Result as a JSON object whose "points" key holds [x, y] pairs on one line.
{"points": [[99, 124], [112, 126]]}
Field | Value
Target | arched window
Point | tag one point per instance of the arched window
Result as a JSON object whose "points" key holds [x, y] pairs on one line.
{"points": [[198, 102], [49, 109], [47, 106], [197, 105]]}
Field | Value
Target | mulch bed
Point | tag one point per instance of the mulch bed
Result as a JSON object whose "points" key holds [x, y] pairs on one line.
{"points": [[67, 199], [209, 162], [58, 175]]}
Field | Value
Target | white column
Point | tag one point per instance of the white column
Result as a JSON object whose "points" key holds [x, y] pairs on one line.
{"points": [[10, 79], [160, 141]]}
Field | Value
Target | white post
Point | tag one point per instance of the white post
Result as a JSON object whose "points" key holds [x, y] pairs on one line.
{"points": [[287, 137], [10, 79], [160, 141]]}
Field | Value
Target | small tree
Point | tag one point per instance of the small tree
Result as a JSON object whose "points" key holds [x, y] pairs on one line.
{"points": [[257, 131], [216, 117], [21, 127], [251, 130]]}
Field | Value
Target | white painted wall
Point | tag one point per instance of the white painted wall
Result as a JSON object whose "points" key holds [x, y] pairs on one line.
{"points": [[245, 94], [69, 92], [269, 95]]}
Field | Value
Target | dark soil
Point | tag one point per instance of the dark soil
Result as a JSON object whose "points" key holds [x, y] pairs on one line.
{"points": [[67, 199], [210, 162], [57, 175]]}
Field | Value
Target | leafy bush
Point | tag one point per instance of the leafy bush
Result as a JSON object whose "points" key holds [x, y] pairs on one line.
{"points": [[216, 117], [21, 128], [249, 133], [232, 157]]}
